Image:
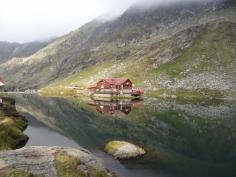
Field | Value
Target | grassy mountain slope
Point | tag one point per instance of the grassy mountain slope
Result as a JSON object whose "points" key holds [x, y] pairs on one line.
{"points": [[55, 60], [135, 45], [197, 58]]}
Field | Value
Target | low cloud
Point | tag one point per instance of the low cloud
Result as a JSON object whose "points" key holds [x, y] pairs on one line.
{"points": [[27, 20]]}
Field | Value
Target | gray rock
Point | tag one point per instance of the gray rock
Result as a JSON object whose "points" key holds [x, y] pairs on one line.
{"points": [[40, 160]]}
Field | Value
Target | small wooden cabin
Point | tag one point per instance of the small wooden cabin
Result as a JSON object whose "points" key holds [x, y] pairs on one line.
{"points": [[118, 83], [111, 85]]}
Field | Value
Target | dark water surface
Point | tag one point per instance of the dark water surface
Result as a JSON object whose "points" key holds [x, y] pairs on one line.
{"points": [[182, 139]]}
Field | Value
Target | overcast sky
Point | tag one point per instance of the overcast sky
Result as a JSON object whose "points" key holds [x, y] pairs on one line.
{"points": [[30, 20]]}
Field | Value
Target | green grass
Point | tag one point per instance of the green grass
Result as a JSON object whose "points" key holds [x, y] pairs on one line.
{"points": [[58, 91], [188, 95], [79, 80], [99, 173], [68, 166]]}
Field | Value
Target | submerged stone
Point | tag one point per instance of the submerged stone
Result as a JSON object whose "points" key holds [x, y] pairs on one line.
{"points": [[123, 150]]}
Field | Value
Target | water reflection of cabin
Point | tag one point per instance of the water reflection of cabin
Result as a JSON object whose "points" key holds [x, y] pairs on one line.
{"points": [[118, 108], [114, 108], [115, 86]]}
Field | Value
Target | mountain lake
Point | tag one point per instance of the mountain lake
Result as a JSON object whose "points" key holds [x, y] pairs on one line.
{"points": [[182, 138]]}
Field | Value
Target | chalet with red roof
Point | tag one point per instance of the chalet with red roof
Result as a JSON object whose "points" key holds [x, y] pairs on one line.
{"points": [[115, 87]]}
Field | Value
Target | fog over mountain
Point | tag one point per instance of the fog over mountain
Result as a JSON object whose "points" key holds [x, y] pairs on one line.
{"points": [[26, 20]]}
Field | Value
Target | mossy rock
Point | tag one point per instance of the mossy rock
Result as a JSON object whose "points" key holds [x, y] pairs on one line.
{"points": [[12, 125], [12, 172], [123, 150]]}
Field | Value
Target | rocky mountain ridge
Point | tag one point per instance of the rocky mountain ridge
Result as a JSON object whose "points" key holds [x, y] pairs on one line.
{"points": [[12, 50]]}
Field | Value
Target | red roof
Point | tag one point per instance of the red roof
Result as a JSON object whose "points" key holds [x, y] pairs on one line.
{"points": [[115, 81]]}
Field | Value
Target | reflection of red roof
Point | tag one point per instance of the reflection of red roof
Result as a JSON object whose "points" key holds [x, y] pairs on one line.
{"points": [[115, 108], [115, 81]]}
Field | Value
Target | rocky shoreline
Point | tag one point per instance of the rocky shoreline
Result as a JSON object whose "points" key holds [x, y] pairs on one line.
{"points": [[12, 125], [39, 161], [51, 162]]}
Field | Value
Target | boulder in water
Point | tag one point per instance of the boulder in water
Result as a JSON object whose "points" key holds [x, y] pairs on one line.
{"points": [[123, 150]]}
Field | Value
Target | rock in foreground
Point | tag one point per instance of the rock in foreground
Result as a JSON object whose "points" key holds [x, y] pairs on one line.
{"points": [[50, 162], [123, 150]]}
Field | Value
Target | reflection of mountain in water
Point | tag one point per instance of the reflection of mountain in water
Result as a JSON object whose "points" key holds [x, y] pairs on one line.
{"points": [[117, 108]]}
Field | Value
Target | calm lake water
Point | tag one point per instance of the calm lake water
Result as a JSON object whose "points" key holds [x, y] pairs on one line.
{"points": [[182, 139]]}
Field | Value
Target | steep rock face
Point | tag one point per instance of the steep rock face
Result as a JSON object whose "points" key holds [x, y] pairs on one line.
{"points": [[140, 22], [207, 63], [99, 42]]}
